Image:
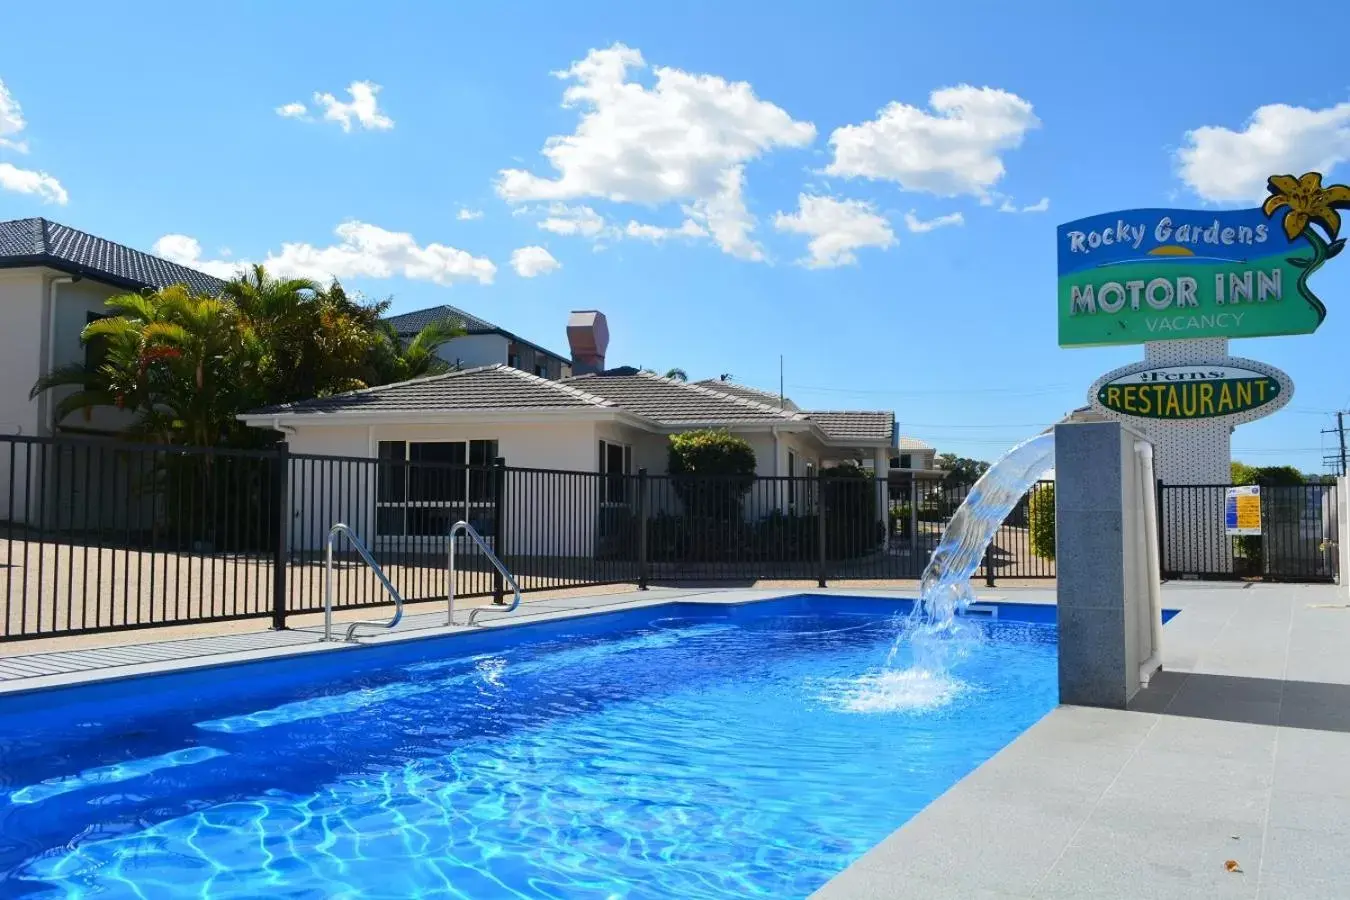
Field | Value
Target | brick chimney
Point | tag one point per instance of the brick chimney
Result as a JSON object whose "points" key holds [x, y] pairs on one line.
{"points": [[588, 338]]}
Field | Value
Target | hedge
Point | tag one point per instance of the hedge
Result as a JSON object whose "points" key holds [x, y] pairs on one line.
{"points": [[1041, 520]]}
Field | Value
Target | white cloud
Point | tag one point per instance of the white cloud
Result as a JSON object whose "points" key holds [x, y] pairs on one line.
{"points": [[837, 228], [531, 261], [292, 111], [917, 225], [656, 233], [28, 181], [11, 121], [725, 216], [363, 251], [952, 151], [685, 139], [363, 110], [187, 251], [570, 220], [468, 215], [1223, 166], [1040, 206]]}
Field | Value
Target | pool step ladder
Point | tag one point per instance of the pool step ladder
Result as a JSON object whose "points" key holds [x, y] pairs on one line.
{"points": [[473, 535], [364, 553]]}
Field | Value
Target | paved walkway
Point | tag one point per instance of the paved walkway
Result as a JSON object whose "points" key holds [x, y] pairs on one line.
{"points": [[1239, 751]]}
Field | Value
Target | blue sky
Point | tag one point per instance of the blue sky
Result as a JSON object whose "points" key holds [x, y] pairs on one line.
{"points": [[673, 199]]}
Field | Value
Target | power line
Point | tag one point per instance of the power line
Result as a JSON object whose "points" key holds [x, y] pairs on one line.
{"points": [[1044, 389]]}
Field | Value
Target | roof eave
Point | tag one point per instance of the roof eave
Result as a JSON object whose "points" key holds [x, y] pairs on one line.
{"points": [[437, 416], [71, 268]]}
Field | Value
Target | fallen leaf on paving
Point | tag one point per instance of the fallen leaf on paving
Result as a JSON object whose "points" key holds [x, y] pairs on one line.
{"points": [[1232, 866]]}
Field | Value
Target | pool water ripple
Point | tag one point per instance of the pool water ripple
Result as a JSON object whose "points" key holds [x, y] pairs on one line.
{"points": [[691, 754]]}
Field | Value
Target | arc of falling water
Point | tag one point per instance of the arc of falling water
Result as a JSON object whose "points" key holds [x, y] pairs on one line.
{"points": [[944, 589]]}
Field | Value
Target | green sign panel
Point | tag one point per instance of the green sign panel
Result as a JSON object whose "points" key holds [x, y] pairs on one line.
{"points": [[1189, 392], [1168, 274]]}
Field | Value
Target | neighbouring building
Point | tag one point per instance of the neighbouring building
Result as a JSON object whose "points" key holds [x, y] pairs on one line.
{"points": [[609, 422], [54, 280], [484, 344]]}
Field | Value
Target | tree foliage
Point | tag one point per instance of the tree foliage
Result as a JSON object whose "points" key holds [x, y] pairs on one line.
{"points": [[1041, 520], [186, 364], [1266, 476], [711, 471], [960, 470]]}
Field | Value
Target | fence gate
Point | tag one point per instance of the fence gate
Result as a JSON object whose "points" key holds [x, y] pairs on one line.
{"points": [[1297, 541]]}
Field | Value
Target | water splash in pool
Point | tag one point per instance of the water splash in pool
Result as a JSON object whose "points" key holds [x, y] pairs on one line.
{"points": [[935, 637]]}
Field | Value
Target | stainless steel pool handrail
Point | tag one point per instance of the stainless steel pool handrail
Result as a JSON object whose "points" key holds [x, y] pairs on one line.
{"points": [[466, 528], [339, 528]]}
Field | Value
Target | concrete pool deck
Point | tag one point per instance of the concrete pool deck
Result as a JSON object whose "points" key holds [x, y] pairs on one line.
{"points": [[1237, 752]]}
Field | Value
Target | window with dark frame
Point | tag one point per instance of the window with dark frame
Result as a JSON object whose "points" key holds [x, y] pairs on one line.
{"points": [[424, 487], [95, 350], [616, 462]]}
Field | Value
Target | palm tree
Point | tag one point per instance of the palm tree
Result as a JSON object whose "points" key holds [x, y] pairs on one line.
{"points": [[178, 360], [399, 361], [677, 375]]}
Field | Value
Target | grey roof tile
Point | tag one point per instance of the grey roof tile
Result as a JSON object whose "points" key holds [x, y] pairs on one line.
{"points": [[40, 242], [747, 392], [855, 425], [409, 323], [484, 388], [672, 402]]}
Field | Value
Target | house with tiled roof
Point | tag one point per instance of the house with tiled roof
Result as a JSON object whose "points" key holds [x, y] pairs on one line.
{"points": [[605, 422], [54, 280], [484, 343]]}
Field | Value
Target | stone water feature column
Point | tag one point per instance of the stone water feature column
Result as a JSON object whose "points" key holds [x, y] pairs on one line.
{"points": [[1104, 564]]}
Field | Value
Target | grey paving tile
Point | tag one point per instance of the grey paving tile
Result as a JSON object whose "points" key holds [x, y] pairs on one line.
{"points": [[1178, 859], [1299, 853], [1325, 813], [1299, 887], [1092, 727], [1143, 795], [857, 883], [963, 840], [1312, 762], [1213, 738]]}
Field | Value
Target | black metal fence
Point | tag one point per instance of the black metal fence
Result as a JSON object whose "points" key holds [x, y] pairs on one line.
{"points": [[1298, 525], [102, 535]]}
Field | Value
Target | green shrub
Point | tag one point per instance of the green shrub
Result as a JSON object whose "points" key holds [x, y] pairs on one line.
{"points": [[1041, 520], [711, 472], [849, 504], [899, 519]]}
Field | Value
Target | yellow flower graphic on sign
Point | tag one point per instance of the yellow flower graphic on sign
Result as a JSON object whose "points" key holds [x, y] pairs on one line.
{"points": [[1307, 201]]}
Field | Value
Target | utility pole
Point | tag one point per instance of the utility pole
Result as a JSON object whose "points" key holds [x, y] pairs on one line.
{"points": [[1338, 461], [1340, 430]]}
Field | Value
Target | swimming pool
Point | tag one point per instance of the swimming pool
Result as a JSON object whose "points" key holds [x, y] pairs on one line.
{"points": [[680, 750]]}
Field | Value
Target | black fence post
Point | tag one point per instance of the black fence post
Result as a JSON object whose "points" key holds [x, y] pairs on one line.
{"points": [[499, 538], [281, 520], [644, 572], [989, 564], [1158, 511], [820, 528]]}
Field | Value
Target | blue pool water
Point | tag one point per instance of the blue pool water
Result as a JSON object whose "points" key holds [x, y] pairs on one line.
{"points": [[677, 751]]}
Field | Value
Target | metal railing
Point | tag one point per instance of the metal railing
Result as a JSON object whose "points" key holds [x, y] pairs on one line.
{"points": [[102, 535], [360, 548], [467, 529]]}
